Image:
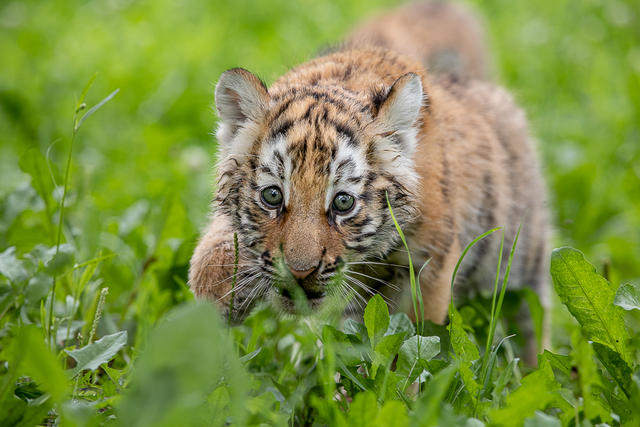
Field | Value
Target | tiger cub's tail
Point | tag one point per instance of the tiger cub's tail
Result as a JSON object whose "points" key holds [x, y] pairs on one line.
{"points": [[446, 37]]}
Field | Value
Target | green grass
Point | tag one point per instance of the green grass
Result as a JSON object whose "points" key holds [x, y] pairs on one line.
{"points": [[137, 193]]}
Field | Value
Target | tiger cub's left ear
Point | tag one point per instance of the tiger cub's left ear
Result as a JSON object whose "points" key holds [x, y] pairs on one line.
{"points": [[240, 97], [399, 111]]}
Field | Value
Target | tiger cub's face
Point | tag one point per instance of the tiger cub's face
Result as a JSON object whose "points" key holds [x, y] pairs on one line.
{"points": [[304, 174]]}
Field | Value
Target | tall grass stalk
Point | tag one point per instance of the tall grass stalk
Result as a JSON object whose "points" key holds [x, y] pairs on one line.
{"points": [[495, 295], [80, 105], [488, 361], [416, 293], [416, 290], [455, 272], [496, 308]]}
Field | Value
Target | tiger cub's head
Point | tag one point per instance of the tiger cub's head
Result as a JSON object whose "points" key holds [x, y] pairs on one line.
{"points": [[304, 175]]}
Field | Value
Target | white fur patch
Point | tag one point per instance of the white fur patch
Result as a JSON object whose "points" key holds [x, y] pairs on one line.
{"points": [[401, 110]]}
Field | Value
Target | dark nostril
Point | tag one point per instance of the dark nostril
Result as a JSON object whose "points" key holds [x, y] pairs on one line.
{"points": [[301, 274]]}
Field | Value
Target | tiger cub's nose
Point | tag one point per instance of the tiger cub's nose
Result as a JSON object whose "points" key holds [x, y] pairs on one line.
{"points": [[300, 274]]}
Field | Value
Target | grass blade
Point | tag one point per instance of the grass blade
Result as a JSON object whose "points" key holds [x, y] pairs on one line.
{"points": [[455, 272], [84, 92], [416, 294], [96, 108]]}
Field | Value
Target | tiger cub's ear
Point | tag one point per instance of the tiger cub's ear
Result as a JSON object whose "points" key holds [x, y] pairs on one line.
{"points": [[240, 98], [399, 111]]}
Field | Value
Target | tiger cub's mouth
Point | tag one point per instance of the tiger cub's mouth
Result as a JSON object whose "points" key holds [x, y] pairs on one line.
{"points": [[309, 294]]}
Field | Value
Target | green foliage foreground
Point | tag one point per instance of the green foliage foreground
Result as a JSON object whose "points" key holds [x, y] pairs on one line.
{"points": [[194, 370]]}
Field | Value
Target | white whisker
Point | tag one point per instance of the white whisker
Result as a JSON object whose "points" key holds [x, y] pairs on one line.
{"points": [[371, 291], [355, 294], [376, 263], [391, 285], [244, 282], [243, 272]]}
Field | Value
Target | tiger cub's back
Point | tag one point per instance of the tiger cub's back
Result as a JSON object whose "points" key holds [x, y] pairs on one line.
{"points": [[445, 37]]}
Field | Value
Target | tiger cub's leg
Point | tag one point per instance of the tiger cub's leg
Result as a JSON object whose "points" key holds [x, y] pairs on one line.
{"points": [[212, 269]]}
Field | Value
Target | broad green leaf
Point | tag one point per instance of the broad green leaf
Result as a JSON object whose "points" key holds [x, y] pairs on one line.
{"points": [[617, 368], [470, 383], [184, 359], [343, 369], [11, 267], [358, 329], [218, 400], [31, 357], [331, 333], [430, 329], [386, 382], [466, 351], [400, 322], [628, 297], [41, 254], [385, 351], [534, 393], [522, 403], [393, 413], [564, 400], [97, 353], [540, 419], [544, 374], [28, 356], [364, 409], [339, 343], [558, 361], [247, 357], [411, 353], [376, 319], [589, 298], [474, 422], [17, 413], [588, 377]]}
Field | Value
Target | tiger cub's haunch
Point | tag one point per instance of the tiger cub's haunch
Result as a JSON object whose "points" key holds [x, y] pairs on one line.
{"points": [[307, 167]]}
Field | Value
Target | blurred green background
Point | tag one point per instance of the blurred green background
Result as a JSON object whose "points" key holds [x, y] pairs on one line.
{"points": [[141, 176]]}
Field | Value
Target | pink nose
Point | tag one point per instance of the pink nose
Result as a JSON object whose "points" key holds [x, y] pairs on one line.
{"points": [[301, 274]]}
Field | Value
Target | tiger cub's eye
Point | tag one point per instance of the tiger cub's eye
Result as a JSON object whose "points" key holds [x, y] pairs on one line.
{"points": [[343, 202], [272, 196]]}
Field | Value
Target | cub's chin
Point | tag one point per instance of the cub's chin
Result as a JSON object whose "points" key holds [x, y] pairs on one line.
{"points": [[296, 301]]}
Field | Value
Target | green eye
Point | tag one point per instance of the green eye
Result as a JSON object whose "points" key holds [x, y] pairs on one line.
{"points": [[272, 196], [343, 202]]}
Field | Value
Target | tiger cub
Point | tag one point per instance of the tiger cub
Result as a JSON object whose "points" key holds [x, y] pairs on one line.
{"points": [[309, 167]]}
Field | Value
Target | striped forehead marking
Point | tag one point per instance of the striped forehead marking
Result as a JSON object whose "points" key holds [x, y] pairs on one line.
{"points": [[318, 107]]}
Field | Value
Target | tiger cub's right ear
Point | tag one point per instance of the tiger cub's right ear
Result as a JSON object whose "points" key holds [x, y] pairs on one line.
{"points": [[240, 98]]}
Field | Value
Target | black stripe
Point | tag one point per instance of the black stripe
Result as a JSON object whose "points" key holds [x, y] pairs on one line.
{"points": [[281, 128]]}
